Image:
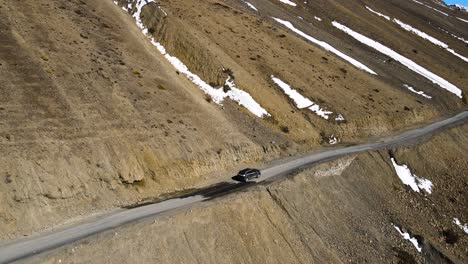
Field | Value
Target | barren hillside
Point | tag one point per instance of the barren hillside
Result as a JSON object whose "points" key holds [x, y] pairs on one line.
{"points": [[345, 211], [104, 104]]}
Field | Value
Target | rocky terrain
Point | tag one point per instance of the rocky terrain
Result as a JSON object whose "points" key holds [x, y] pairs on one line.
{"points": [[106, 104], [344, 211]]}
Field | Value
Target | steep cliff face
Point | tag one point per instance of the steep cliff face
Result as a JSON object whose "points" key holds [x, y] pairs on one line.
{"points": [[94, 116], [338, 212]]}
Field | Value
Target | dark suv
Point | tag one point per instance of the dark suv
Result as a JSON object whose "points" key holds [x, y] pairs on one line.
{"points": [[246, 175]]}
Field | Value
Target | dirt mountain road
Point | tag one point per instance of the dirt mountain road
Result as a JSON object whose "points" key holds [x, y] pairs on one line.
{"points": [[44, 242]]}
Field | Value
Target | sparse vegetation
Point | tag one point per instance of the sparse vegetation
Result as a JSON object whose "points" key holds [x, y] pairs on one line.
{"points": [[271, 119], [139, 183], [450, 236], [137, 73], [8, 179], [284, 129], [229, 72]]}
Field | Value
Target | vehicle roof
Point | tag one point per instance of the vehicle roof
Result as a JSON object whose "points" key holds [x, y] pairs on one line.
{"points": [[245, 170]]}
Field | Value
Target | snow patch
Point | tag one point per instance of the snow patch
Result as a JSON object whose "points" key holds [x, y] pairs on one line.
{"points": [[332, 140], [429, 38], [459, 224], [301, 101], [245, 99], [162, 10], [403, 60], [217, 95], [317, 18], [325, 45], [417, 92], [288, 2], [464, 20], [250, 5], [320, 112], [241, 97], [416, 183], [379, 14], [428, 6], [137, 14], [339, 118], [407, 236], [421, 34], [455, 36]]}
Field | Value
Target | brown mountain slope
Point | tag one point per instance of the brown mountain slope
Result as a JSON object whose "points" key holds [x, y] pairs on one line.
{"points": [[92, 117], [338, 212]]}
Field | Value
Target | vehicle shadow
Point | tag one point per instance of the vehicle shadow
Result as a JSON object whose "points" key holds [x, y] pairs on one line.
{"points": [[238, 178], [221, 189], [210, 192]]}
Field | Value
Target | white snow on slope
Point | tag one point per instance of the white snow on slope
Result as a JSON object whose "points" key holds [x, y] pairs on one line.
{"points": [[332, 140], [458, 55], [438, 3], [137, 15], [317, 18], [241, 97], [250, 5], [428, 6], [455, 36], [407, 236], [162, 10], [325, 45], [417, 92], [464, 20], [416, 183], [377, 13], [403, 60], [429, 38], [288, 2], [421, 34], [339, 118], [463, 227], [301, 101], [217, 95]]}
